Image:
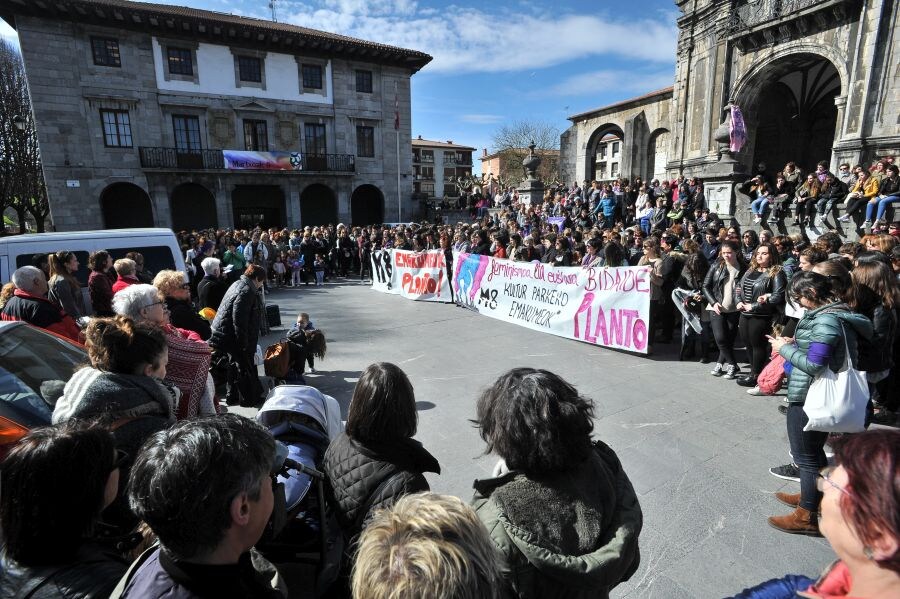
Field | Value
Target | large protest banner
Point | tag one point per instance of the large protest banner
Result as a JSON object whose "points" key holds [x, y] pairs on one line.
{"points": [[414, 275], [603, 306]]}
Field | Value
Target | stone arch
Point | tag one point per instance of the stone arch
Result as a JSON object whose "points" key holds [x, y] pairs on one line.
{"points": [[366, 205], [789, 108], [125, 206], [657, 154], [593, 144], [193, 207], [258, 205], [318, 205]]}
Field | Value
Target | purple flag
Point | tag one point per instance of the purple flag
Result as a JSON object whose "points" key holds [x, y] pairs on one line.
{"points": [[737, 130]]}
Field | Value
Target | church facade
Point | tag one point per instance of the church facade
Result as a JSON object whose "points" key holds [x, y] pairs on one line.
{"points": [[815, 80]]}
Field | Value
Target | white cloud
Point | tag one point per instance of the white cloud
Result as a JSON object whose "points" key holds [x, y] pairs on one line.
{"points": [[466, 40], [482, 119], [593, 82]]}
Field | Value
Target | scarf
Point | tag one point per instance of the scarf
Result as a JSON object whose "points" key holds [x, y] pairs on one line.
{"points": [[188, 370], [91, 393]]}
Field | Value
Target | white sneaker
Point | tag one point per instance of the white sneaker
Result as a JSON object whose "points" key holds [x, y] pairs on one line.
{"points": [[732, 372], [718, 370], [844, 218], [755, 391]]}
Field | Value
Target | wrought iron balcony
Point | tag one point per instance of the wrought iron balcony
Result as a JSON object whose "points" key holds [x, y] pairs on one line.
{"points": [[752, 15], [210, 160]]}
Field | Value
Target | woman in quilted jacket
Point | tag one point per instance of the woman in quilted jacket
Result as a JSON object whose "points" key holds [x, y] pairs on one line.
{"points": [[375, 460], [824, 335]]}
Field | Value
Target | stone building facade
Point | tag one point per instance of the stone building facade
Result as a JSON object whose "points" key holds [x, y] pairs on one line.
{"points": [[815, 79], [135, 104]]}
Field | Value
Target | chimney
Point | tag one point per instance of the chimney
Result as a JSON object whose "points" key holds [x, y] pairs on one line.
{"points": [[420, 137], [449, 141], [484, 152]]}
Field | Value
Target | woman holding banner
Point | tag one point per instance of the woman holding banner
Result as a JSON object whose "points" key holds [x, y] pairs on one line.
{"points": [[652, 259]]}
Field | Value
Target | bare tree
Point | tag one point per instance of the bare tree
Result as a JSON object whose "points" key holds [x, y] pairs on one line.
{"points": [[22, 185], [511, 142]]}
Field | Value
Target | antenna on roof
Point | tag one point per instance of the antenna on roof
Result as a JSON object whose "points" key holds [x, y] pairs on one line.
{"points": [[274, 10]]}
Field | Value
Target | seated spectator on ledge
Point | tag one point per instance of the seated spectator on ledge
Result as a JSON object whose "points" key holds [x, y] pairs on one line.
{"points": [[205, 488], [438, 549], [560, 508], [125, 270], [29, 303]]}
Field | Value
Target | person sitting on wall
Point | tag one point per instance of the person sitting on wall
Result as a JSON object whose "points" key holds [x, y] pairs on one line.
{"points": [[29, 303]]}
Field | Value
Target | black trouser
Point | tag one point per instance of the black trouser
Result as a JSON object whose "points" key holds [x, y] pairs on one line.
{"points": [[725, 330], [854, 205], [808, 452], [753, 331], [805, 209]]}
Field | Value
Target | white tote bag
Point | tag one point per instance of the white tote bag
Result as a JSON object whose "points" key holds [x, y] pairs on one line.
{"points": [[836, 401]]}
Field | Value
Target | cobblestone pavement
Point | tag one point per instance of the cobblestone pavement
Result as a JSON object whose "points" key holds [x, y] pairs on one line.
{"points": [[697, 448]]}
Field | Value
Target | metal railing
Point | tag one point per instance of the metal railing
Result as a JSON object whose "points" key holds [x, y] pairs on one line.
{"points": [[206, 160], [750, 13]]}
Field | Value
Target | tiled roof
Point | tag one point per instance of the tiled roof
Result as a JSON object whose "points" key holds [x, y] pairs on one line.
{"points": [[659, 92], [247, 29], [427, 143]]}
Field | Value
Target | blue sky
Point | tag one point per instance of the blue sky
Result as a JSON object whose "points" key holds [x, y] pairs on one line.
{"points": [[496, 63]]}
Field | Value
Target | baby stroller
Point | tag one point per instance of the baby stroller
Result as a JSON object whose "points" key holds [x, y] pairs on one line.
{"points": [[303, 536]]}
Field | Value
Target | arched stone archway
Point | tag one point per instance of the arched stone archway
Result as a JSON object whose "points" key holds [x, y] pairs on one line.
{"points": [[254, 205], [789, 109], [193, 207], [125, 206], [599, 165], [366, 205], [657, 155], [318, 205]]}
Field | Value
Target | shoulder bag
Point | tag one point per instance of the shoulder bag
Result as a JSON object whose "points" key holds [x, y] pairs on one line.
{"points": [[836, 401]]}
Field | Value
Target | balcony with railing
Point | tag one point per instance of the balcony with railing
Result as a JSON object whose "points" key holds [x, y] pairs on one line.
{"points": [[213, 160], [778, 20]]}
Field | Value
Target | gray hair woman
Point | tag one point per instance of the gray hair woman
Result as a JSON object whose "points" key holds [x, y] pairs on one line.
{"points": [[189, 355]]}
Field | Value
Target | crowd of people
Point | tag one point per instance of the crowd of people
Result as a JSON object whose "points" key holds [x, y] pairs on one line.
{"points": [[168, 495]]}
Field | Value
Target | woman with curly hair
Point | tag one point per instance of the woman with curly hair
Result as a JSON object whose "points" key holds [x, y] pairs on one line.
{"points": [[559, 507]]}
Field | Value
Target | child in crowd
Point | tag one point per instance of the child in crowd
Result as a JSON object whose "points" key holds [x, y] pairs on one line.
{"points": [[295, 262], [319, 268], [305, 325], [280, 269]]}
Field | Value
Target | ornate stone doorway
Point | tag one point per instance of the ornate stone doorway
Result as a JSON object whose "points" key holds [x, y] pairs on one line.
{"points": [[789, 108], [125, 206], [366, 205]]}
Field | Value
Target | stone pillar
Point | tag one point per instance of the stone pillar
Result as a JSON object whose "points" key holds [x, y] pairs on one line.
{"points": [[531, 190], [841, 103], [720, 179], [223, 207], [292, 204]]}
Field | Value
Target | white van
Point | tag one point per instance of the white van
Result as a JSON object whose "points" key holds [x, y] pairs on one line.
{"points": [[158, 246]]}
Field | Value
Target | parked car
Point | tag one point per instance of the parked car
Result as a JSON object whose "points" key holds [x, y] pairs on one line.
{"points": [[34, 366], [158, 246]]}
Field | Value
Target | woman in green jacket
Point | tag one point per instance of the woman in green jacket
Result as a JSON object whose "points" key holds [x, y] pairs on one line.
{"points": [[560, 508], [824, 335]]}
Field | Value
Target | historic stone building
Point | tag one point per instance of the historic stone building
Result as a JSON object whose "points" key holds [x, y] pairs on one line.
{"points": [[158, 115], [815, 80]]}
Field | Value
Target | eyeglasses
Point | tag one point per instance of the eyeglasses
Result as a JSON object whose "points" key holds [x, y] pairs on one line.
{"points": [[824, 477], [159, 303]]}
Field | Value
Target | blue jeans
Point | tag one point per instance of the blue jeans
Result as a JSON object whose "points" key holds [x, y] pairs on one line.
{"points": [[881, 205], [808, 451], [759, 205]]}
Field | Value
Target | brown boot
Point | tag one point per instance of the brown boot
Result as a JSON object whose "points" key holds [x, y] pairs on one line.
{"points": [[800, 522], [791, 499]]}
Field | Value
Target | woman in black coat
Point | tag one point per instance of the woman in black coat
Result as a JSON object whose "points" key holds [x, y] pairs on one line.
{"points": [[376, 460], [50, 552], [759, 297]]}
